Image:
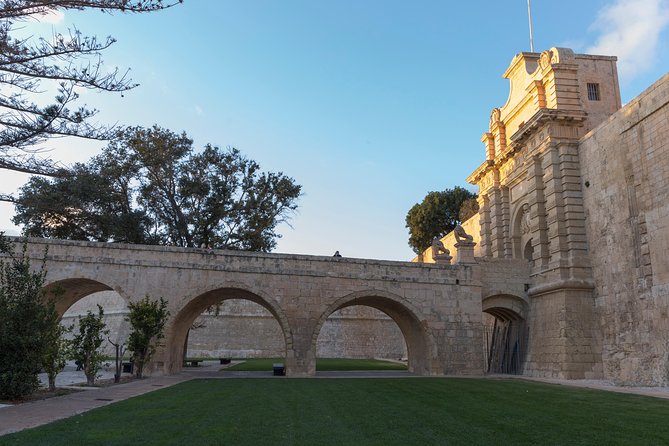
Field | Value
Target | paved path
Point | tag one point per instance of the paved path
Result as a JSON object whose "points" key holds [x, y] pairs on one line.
{"points": [[23, 416], [657, 392], [27, 415]]}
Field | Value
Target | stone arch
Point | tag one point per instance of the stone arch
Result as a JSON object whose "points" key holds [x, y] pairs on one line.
{"points": [[421, 347], [506, 307], [521, 232], [203, 299], [528, 252], [75, 289], [505, 339]]}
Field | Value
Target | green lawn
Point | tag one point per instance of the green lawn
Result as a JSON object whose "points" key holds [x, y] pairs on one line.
{"points": [[322, 364], [411, 411]]}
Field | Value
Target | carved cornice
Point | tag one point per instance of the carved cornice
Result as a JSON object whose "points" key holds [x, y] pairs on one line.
{"points": [[480, 172], [542, 117]]}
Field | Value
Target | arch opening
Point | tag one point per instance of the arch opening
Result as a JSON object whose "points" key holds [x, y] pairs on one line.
{"points": [[505, 334], [233, 301], [236, 328], [115, 310], [68, 291], [361, 332], [420, 353], [521, 231], [528, 252], [74, 297]]}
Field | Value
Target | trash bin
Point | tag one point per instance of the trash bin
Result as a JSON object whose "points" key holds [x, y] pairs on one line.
{"points": [[127, 367], [279, 369]]}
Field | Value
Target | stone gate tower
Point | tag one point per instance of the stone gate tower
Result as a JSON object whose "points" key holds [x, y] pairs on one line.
{"points": [[531, 199]]}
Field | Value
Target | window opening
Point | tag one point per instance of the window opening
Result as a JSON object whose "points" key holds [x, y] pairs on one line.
{"points": [[593, 92]]}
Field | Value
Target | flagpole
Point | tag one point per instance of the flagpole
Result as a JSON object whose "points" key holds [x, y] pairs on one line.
{"points": [[529, 15]]}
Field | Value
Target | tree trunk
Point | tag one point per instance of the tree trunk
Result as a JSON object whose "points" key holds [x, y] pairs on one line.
{"points": [[52, 382], [139, 368]]}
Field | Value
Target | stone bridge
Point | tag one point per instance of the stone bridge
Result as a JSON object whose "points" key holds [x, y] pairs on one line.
{"points": [[437, 307]]}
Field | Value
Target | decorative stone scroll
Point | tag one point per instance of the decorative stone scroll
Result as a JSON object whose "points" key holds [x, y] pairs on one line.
{"points": [[555, 55]]}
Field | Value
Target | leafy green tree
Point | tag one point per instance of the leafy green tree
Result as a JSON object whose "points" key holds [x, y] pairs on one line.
{"points": [[469, 208], [147, 318], [67, 63], [149, 186], [83, 206], [435, 216], [87, 342], [22, 323]]}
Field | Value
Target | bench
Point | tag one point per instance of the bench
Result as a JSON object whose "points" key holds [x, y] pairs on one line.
{"points": [[225, 360], [279, 369], [193, 362]]}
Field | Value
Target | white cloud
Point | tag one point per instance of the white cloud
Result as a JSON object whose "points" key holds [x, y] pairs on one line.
{"points": [[52, 16], [630, 29], [198, 110]]}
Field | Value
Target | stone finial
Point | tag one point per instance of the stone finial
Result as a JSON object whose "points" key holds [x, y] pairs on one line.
{"points": [[495, 116], [439, 252]]}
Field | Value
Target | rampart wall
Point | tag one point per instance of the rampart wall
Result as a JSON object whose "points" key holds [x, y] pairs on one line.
{"points": [[625, 175]]}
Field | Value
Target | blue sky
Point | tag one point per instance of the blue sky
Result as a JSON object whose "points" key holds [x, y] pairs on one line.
{"points": [[369, 105]]}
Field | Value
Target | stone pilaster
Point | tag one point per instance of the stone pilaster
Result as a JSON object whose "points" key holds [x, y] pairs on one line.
{"points": [[536, 201], [484, 213]]}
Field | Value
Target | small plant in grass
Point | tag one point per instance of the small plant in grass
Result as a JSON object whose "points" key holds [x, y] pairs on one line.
{"points": [[147, 318], [87, 342]]}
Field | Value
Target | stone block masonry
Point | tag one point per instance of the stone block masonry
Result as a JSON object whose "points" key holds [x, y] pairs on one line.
{"points": [[625, 172], [437, 308]]}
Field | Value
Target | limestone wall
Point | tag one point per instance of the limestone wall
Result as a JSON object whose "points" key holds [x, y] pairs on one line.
{"points": [[245, 329], [625, 178]]}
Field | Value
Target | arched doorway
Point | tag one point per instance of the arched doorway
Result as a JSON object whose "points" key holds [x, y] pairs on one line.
{"points": [[181, 325], [505, 334], [419, 344]]}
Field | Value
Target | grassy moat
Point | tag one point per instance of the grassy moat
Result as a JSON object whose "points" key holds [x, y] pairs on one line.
{"points": [[361, 411]]}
